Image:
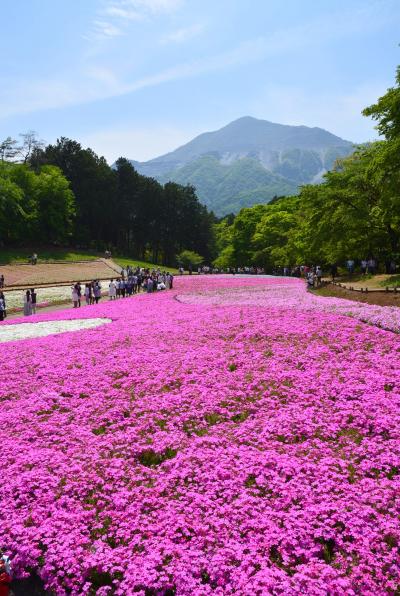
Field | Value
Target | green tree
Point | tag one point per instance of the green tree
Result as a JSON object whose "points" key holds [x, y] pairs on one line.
{"points": [[55, 209], [243, 230], [386, 111], [188, 258], [273, 238], [12, 214], [34, 205]]}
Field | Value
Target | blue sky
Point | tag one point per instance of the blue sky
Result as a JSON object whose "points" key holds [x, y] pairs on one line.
{"points": [[140, 77]]}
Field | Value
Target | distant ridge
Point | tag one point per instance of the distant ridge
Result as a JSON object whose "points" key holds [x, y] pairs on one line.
{"points": [[249, 161]]}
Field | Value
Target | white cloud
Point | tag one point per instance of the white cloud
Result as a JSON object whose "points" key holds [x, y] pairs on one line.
{"points": [[128, 10], [137, 143], [154, 6], [121, 13], [183, 34], [113, 18], [106, 29]]}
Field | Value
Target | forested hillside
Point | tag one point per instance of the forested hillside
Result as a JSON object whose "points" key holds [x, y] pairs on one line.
{"points": [[249, 161]]}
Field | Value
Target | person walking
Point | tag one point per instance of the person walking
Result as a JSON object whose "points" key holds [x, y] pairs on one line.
{"points": [[134, 283], [97, 291], [27, 303], [371, 266], [2, 282], [74, 296], [33, 300], [350, 266], [318, 275], [87, 296], [2, 307], [79, 290], [364, 265], [112, 290], [91, 299]]}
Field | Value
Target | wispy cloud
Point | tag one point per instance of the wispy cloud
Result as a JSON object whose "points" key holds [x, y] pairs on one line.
{"points": [[154, 6], [120, 12], [184, 34], [106, 29], [114, 16], [92, 81]]}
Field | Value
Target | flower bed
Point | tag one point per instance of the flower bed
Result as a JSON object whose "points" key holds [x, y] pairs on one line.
{"points": [[240, 439], [46, 296], [44, 328]]}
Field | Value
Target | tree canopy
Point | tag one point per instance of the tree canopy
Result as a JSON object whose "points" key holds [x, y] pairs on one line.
{"points": [[65, 193]]}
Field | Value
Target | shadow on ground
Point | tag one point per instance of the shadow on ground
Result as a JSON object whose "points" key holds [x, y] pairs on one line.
{"points": [[32, 586]]}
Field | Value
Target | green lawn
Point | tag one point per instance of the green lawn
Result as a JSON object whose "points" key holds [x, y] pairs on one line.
{"points": [[21, 255], [391, 281], [124, 261], [356, 277]]}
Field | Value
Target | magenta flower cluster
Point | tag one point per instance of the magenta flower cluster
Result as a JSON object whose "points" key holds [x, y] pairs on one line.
{"points": [[233, 436]]}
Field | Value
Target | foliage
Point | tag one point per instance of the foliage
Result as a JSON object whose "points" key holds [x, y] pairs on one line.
{"points": [[386, 111], [68, 192], [189, 258], [34, 205], [226, 188]]}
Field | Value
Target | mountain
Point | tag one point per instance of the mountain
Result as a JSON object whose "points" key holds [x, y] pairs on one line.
{"points": [[248, 161]]}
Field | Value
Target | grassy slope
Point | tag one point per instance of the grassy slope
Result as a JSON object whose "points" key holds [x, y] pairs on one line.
{"points": [[391, 280], [20, 255], [123, 261]]}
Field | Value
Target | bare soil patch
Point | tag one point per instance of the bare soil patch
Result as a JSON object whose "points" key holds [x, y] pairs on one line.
{"points": [[56, 273]]}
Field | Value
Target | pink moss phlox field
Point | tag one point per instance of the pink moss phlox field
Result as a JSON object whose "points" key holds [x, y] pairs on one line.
{"points": [[232, 436]]}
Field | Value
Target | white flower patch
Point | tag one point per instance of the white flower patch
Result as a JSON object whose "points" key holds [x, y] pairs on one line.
{"points": [[15, 298], [31, 330]]}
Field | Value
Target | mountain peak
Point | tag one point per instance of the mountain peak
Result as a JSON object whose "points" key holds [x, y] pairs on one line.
{"points": [[250, 159]]}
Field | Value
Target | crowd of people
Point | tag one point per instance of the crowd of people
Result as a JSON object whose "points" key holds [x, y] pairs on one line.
{"points": [[369, 266], [91, 293], [362, 266], [132, 281]]}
